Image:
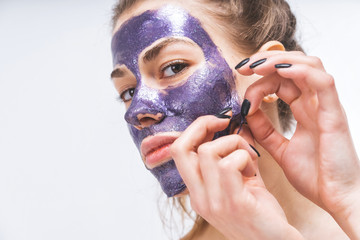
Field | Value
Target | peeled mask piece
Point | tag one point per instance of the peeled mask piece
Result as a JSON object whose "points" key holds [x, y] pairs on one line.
{"points": [[207, 91]]}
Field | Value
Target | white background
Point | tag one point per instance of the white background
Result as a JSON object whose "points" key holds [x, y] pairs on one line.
{"points": [[68, 168]]}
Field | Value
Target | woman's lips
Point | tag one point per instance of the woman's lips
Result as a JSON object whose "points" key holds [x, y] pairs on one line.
{"points": [[157, 156], [156, 149]]}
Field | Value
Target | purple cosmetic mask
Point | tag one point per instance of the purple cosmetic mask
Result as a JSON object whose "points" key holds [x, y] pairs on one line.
{"points": [[210, 89]]}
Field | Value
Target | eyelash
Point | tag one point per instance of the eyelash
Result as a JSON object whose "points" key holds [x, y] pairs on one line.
{"points": [[173, 63]]}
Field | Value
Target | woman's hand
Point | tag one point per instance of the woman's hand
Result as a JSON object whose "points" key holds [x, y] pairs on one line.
{"points": [[319, 160], [224, 184]]}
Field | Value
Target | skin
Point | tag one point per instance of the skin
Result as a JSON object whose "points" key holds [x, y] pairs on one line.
{"points": [[319, 161]]}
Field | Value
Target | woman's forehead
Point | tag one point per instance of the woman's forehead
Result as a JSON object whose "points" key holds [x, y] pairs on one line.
{"points": [[141, 31], [140, 7], [168, 15]]}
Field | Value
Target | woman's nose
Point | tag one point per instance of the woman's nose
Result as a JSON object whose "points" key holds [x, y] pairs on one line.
{"points": [[148, 119], [143, 116], [146, 108]]}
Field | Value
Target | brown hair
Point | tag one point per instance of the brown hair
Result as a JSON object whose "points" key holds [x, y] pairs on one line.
{"points": [[248, 24]]}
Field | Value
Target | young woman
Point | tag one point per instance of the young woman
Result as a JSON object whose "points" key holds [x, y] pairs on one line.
{"points": [[202, 82]]}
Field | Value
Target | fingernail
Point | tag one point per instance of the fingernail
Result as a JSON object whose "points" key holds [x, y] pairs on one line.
{"points": [[257, 63], [226, 110], [222, 113], [245, 107], [223, 116], [255, 150], [242, 63], [283, 65]]}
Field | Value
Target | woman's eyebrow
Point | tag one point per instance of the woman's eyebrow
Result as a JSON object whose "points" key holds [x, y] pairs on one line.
{"points": [[154, 51], [117, 73]]}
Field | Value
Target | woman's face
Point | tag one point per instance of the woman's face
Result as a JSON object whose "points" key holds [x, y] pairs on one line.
{"points": [[168, 71]]}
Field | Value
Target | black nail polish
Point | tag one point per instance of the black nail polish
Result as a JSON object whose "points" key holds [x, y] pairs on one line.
{"points": [[225, 110], [257, 63], [222, 116], [255, 150], [245, 107], [283, 65], [222, 113], [242, 63]]}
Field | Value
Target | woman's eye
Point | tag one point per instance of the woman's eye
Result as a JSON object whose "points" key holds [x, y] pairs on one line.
{"points": [[173, 68], [127, 94]]}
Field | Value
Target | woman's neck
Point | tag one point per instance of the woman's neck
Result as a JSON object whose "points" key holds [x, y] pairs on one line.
{"points": [[312, 221], [208, 233]]}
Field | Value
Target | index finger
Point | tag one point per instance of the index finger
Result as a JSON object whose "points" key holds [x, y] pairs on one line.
{"points": [[201, 130], [184, 150], [285, 89]]}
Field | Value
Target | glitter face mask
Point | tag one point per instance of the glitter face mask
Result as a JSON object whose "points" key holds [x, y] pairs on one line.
{"points": [[210, 89]]}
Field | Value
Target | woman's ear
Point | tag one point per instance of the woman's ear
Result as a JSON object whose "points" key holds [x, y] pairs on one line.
{"points": [[271, 46]]}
